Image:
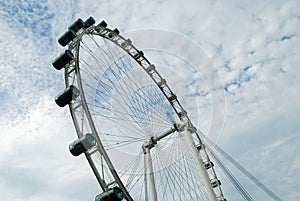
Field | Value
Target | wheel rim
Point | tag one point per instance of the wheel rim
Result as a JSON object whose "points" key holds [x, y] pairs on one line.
{"points": [[151, 109]]}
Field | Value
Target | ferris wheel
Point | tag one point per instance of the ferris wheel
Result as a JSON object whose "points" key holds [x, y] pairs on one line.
{"points": [[131, 127]]}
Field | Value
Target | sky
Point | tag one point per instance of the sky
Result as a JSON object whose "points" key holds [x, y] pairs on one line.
{"points": [[252, 46]]}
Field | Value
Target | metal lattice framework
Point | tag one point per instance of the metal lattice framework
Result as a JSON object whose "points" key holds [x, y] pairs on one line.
{"points": [[83, 110]]}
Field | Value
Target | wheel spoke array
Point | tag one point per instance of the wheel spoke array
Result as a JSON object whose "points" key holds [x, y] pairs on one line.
{"points": [[123, 103]]}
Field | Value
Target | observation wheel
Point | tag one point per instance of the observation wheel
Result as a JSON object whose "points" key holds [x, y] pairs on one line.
{"points": [[135, 134]]}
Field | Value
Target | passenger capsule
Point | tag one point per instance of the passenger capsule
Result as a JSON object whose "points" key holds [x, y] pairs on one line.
{"points": [[208, 164], [67, 37], [77, 25], [62, 60], [215, 182], [102, 24], [172, 98], [82, 144], [113, 33], [89, 22], [69, 94], [114, 194]]}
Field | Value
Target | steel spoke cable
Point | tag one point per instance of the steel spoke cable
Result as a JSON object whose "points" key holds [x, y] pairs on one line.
{"points": [[159, 177], [190, 171], [171, 181], [131, 184], [182, 176], [194, 173], [232, 179], [104, 58], [185, 181], [173, 174], [122, 114], [130, 111], [133, 167], [163, 183], [126, 74], [109, 79], [117, 145], [116, 118], [244, 171], [120, 136]]}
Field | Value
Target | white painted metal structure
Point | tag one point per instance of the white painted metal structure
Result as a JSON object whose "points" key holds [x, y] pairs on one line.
{"points": [[99, 47]]}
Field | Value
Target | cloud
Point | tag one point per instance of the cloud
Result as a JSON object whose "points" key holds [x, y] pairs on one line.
{"points": [[35, 158]]}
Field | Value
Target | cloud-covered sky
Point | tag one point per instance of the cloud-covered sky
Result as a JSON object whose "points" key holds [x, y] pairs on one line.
{"points": [[254, 45]]}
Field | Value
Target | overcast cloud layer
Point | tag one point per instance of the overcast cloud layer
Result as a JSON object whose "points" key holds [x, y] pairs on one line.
{"points": [[254, 45]]}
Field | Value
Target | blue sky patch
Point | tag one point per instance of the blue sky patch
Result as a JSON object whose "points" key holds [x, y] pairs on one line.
{"points": [[28, 15], [287, 37], [247, 68]]}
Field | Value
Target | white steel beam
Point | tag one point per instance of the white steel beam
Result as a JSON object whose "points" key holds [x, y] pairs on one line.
{"points": [[199, 162]]}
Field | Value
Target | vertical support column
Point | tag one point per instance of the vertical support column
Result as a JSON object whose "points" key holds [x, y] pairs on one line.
{"points": [[149, 173], [203, 172]]}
